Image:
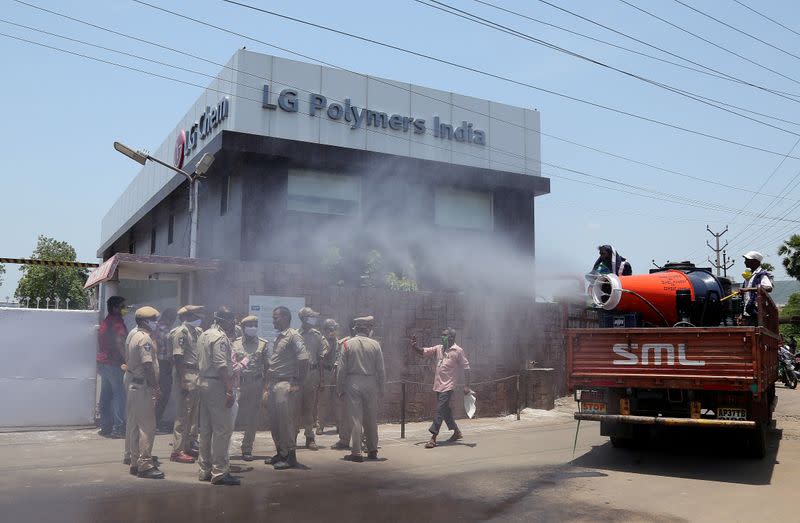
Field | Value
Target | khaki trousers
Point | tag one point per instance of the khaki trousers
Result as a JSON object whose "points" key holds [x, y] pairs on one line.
{"points": [[250, 411], [326, 407], [282, 416], [126, 381], [140, 432], [187, 409], [362, 405], [308, 403], [216, 427]]}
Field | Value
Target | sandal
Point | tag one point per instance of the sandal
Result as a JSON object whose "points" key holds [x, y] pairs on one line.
{"points": [[431, 444]]}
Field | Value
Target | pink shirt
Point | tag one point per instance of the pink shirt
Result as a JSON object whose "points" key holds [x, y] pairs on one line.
{"points": [[447, 365]]}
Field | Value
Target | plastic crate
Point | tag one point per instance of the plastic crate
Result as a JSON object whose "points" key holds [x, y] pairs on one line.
{"points": [[611, 320]]}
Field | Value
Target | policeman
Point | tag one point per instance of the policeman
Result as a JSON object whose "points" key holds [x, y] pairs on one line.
{"points": [[143, 393], [215, 386], [286, 367], [330, 350], [310, 390], [362, 377], [250, 350], [344, 427], [184, 354]]}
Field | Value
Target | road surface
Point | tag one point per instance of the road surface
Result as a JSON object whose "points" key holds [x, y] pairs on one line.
{"points": [[503, 470]]}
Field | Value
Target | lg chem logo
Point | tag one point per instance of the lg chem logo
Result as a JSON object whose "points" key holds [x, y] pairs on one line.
{"points": [[203, 128]]}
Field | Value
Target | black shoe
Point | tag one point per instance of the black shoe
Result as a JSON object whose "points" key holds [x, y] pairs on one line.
{"points": [[226, 479], [355, 458], [126, 461], [204, 476], [274, 459], [292, 458], [117, 435], [340, 445], [247, 456], [104, 432], [311, 444], [373, 455], [134, 470], [151, 473], [281, 465]]}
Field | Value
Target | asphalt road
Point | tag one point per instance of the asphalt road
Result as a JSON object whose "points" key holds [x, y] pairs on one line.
{"points": [[503, 470]]}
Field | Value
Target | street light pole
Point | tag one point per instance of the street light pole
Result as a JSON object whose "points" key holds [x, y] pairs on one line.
{"points": [[202, 167]]}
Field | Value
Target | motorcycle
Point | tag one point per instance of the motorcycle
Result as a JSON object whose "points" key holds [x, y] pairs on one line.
{"points": [[786, 369]]}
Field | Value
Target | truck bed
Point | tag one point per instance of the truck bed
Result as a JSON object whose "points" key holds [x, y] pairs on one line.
{"points": [[708, 358]]}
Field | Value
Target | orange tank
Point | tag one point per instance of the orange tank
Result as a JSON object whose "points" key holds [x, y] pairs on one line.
{"points": [[658, 289]]}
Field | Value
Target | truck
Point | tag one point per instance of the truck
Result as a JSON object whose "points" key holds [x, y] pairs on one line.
{"points": [[701, 371]]}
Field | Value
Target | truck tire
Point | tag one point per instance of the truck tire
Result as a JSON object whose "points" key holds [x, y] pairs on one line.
{"points": [[757, 441]]}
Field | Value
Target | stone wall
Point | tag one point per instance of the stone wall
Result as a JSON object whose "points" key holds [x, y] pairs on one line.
{"points": [[501, 335]]}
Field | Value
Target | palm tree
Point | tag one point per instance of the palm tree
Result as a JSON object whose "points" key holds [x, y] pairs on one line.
{"points": [[790, 250]]}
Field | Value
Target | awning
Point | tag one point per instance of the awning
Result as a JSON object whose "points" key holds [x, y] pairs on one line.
{"points": [[141, 267]]}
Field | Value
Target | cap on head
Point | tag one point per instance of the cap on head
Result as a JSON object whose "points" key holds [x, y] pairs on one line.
{"points": [[191, 309], [307, 312], [364, 322], [330, 323], [250, 319], [146, 313], [224, 314], [754, 255]]}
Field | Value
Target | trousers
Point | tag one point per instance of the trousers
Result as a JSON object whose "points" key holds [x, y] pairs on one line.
{"points": [[187, 409], [282, 417], [165, 384], [141, 425], [443, 413], [362, 405], [308, 403], [250, 411], [113, 396], [216, 428]]}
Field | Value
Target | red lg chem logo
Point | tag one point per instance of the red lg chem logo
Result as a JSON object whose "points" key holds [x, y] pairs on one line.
{"points": [[180, 145]]}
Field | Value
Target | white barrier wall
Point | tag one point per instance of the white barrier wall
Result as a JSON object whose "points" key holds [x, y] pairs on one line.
{"points": [[48, 371]]}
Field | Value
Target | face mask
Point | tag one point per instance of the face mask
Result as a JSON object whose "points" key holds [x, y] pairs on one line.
{"points": [[195, 323], [311, 321], [123, 311], [152, 325], [445, 341], [747, 274], [251, 331]]}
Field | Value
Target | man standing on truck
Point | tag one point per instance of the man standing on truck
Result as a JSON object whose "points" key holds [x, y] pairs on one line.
{"points": [[609, 261], [755, 277]]}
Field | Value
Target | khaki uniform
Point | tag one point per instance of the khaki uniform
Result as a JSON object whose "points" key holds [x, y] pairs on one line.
{"points": [[310, 391], [326, 409], [282, 366], [141, 409], [362, 376], [183, 339], [216, 425], [343, 425], [251, 387]]}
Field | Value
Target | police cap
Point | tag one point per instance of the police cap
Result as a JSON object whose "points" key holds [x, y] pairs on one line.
{"points": [[307, 312], [146, 313], [191, 309], [364, 321], [250, 319]]}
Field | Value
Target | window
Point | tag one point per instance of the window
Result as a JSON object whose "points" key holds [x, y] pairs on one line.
{"points": [[153, 240], [323, 193], [224, 196], [463, 209]]}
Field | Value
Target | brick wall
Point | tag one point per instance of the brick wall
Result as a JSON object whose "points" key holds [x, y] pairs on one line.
{"points": [[499, 334]]}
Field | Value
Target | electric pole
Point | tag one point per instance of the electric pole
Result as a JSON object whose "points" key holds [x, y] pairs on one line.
{"points": [[717, 235], [727, 263]]}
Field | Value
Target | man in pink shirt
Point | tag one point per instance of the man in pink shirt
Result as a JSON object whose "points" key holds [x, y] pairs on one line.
{"points": [[449, 359]]}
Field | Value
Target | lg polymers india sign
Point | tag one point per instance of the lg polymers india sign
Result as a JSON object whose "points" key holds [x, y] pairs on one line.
{"points": [[358, 117]]}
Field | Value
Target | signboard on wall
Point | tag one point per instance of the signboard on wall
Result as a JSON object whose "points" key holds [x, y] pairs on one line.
{"points": [[262, 306]]}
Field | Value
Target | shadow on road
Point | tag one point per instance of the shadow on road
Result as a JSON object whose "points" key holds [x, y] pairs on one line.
{"points": [[690, 454]]}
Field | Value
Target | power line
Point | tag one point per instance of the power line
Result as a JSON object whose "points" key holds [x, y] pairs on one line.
{"points": [[740, 31], [638, 40], [513, 32], [706, 40], [183, 52], [762, 15], [510, 80]]}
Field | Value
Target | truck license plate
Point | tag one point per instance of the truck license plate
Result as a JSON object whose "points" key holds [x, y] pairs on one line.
{"points": [[593, 408], [733, 414]]}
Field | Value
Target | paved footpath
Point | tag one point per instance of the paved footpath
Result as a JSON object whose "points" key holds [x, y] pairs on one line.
{"points": [[503, 470]]}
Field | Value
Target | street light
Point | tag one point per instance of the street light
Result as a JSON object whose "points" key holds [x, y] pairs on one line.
{"points": [[200, 169]]}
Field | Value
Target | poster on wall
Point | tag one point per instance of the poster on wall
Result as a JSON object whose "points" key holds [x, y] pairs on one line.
{"points": [[262, 306]]}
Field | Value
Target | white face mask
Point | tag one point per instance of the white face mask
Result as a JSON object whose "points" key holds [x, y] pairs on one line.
{"points": [[152, 325], [251, 331], [195, 323], [311, 321]]}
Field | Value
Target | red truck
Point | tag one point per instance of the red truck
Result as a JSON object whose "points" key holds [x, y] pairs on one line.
{"points": [[642, 379]]}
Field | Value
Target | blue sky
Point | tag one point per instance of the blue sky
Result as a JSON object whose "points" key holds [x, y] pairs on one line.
{"points": [[61, 113]]}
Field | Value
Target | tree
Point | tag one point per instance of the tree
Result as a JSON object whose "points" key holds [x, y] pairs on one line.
{"points": [[51, 282], [768, 267], [2, 271], [791, 309], [790, 250]]}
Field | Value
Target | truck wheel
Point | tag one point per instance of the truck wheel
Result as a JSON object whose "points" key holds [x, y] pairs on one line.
{"points": [[757, 441]]}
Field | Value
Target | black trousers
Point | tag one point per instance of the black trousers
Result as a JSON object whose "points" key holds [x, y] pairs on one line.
{"points": [[443, 413], [165, 383]]}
